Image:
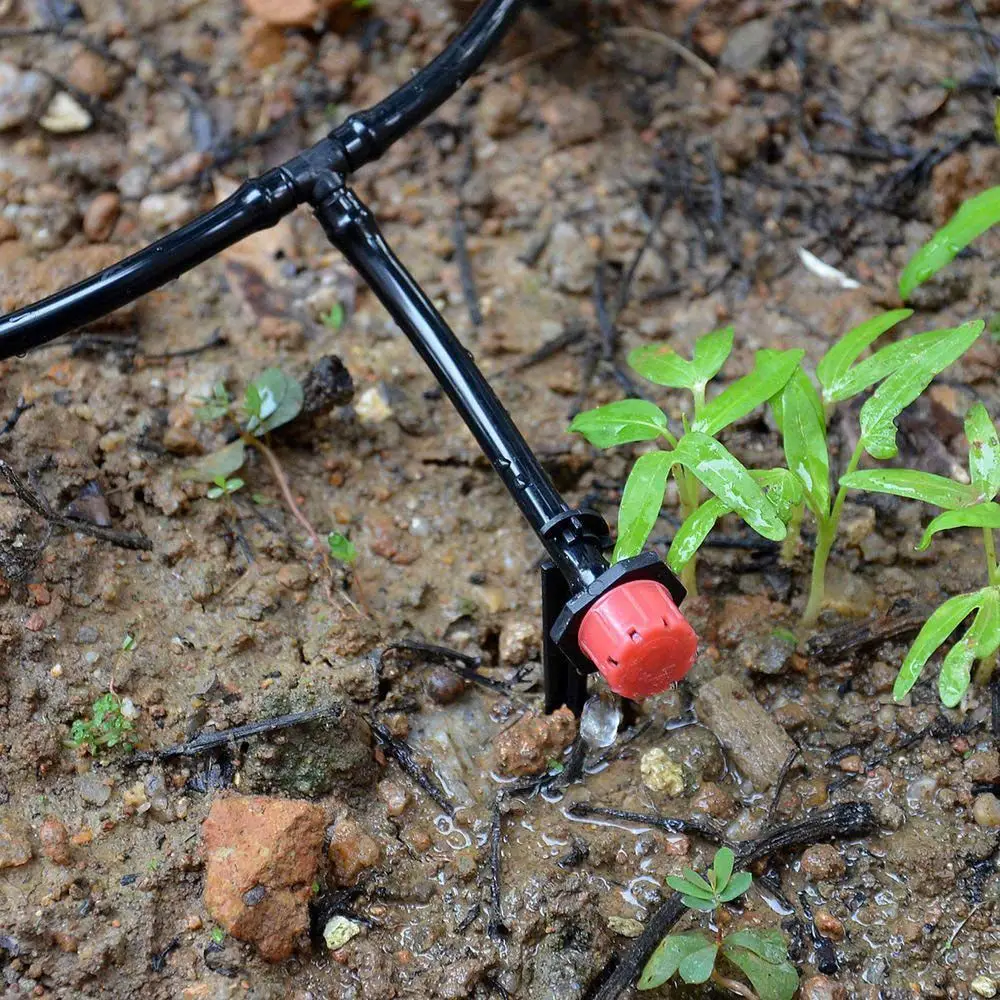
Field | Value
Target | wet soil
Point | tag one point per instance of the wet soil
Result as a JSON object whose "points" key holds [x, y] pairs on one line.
{"points": [[845, 128]]}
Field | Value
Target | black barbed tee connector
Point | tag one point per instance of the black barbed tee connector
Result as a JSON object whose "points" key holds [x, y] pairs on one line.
{"points": [[620, 619]]}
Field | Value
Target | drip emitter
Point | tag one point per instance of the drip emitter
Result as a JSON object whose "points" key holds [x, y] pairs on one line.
{"points": [[621, 619]]}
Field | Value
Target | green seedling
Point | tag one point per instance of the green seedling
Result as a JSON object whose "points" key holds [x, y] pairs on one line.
{"points": [[699, 957], [695, 459], [217, 934], [128, 643], [224, 487], [341, 547], [334, 319], [969, 505], [106, 728], [971, 220], [901, 371], [270, 400]]}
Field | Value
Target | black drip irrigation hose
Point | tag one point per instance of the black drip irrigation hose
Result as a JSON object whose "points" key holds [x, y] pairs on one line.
{"points": [[637, 639]]}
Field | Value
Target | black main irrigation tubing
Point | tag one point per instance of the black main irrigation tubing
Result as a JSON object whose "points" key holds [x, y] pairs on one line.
{"points": [[622, 619]]}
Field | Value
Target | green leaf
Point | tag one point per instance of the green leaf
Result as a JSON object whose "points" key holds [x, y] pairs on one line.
{"points": [[223, 462], [804, 440], [341, 547], [972, 219], [984, 451], [739, 885], [692, 884], [642, 499], [724, 476], [215, 492], [667, 957], [334, 319], [988, 625], [696, 903], [620, 423], [693, 532], [664, 366], [769, 944], [956, 669], [837, 361], [936, 629], [272, 399], [907, 382], [982, 515], [771, 981], [711, 351], [773, 370], [782, 488], [913, 485], [722, 865], [697, 966]]}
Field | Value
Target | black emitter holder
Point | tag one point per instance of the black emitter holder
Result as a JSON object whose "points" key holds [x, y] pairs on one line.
{"points": [[575, 574]]}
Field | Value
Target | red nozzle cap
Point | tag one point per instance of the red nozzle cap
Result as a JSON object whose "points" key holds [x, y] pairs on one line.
{"points": [[638, 639]]}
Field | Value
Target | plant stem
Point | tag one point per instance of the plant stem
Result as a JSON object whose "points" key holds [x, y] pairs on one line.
{"points": [[824, 543], [733, 986], [993, 572], [688, 490]]}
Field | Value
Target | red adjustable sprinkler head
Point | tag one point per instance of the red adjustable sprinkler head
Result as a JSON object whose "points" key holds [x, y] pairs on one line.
{"points": [[638, 639]]}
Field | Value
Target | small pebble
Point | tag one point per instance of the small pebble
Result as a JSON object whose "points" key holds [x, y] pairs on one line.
{"points": [[822, 862], [65, 115], [660, 773], [339, 930], [100, 217], [54, 840], [983, 986], [986, 810], [444, 686]]}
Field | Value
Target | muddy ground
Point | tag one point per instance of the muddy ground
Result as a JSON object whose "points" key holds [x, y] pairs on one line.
{"points": [[846, 128]]}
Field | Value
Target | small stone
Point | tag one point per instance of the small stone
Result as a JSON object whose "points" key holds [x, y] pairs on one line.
{"points": [[660, 773], [89, 72], [94, 790], [499, 110], [572, 259], [339, 930], [181, 441], [714, 801], [756, 744], [625, 926], [193, 922], [372, 407], [294, 576], [291, 13], [22, 95], [268, 842], [822, 862], [55, 841], [983, 986], [261, 44], [528, 746], [571, 119], [747, 46], [352, 851], [395, 796], [166, 211], [821, 988], [983, 765], [15, 847], [986, 810], [100, 217], [828, 925], [520, 641], [444, 686], [65, 115]]}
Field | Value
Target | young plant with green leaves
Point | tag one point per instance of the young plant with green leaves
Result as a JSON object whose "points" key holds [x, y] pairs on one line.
{"points": [[108, 727], [696, 459], [761, 956], [901, 371], [971, 220], [964, 505]]}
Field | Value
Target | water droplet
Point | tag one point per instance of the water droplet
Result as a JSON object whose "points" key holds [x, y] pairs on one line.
{"points": [[602, 715]]}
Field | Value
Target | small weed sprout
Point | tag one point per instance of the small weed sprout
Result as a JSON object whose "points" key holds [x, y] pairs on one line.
{"points": [[699, 956], [695, 458], [224, 487], [341, 547], [334, 319], [969, 505], [106, 728]]}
